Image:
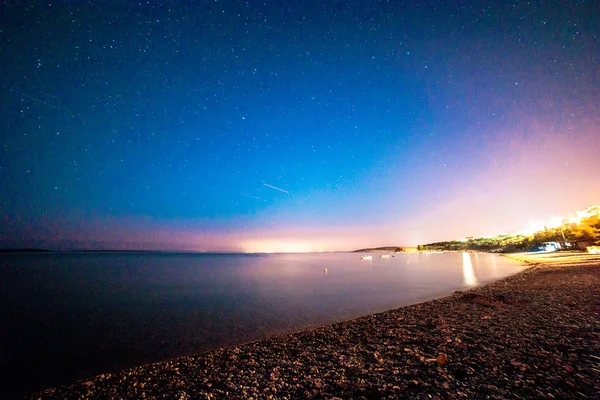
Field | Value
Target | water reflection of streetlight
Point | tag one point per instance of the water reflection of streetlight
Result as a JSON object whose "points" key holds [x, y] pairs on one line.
{"points": [[468, 275]]}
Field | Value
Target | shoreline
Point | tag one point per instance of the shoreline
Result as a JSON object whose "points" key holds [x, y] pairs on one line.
{"points": [[533, 334]]}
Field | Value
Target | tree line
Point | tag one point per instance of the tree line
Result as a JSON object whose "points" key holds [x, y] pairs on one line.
{"points": [[586, 230]]}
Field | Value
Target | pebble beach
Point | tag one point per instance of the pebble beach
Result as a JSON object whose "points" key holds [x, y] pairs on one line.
{"points": [[532, 335]]}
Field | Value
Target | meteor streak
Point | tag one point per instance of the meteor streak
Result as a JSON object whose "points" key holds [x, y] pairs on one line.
{"points": [[30, 97], [276, 188]]}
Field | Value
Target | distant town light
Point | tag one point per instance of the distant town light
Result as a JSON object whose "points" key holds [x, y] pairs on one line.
{"points": [[534, 227]]}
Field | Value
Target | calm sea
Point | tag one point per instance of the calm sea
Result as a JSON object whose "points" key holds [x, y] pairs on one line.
{"points": [[68, 316]]}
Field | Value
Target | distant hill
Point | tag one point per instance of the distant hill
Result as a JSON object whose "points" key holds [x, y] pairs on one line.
{"points": [[388, 249], [24, 251], [6, 251]]}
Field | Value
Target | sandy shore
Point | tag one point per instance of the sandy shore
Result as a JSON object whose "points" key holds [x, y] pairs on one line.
{"points": [[532, 335]]}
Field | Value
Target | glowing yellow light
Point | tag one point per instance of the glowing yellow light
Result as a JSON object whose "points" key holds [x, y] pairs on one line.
{"points": [[533, 228], [554, 222], [593, 249], [575, 220], [276, 246]]}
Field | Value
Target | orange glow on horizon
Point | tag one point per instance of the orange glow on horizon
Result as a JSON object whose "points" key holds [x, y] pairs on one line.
{"points": [[281, 246]]}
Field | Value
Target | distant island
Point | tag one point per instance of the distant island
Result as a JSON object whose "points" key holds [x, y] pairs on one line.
{"points": [[25, 251], [385, 249], [9, 251]]}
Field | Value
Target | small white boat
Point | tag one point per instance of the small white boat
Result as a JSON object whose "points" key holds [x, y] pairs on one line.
{"points": [[385, 256], [366, 257]]}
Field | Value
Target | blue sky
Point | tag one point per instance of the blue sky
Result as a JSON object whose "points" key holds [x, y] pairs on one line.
{"points": [[160, 125]]}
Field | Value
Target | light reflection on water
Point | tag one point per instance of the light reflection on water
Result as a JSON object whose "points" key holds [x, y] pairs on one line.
{"points": [[468, 274], [101, 312]]}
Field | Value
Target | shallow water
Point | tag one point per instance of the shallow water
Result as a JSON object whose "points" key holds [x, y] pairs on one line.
{"points": [[68, 316]]}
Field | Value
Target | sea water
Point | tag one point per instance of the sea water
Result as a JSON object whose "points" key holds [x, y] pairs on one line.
{"points": [[66, 316]]}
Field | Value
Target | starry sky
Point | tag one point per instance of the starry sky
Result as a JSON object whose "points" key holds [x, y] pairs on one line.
{"points": [[293, 126]]}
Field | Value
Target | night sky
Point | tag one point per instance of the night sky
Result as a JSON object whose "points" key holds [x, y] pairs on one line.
{"points": [[293, 126]]}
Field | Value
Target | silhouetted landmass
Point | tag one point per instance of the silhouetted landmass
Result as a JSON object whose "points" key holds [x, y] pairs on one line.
{"points": [[25, 251], [393, 249], [496, 244], [116, 251], [79, 251]]}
